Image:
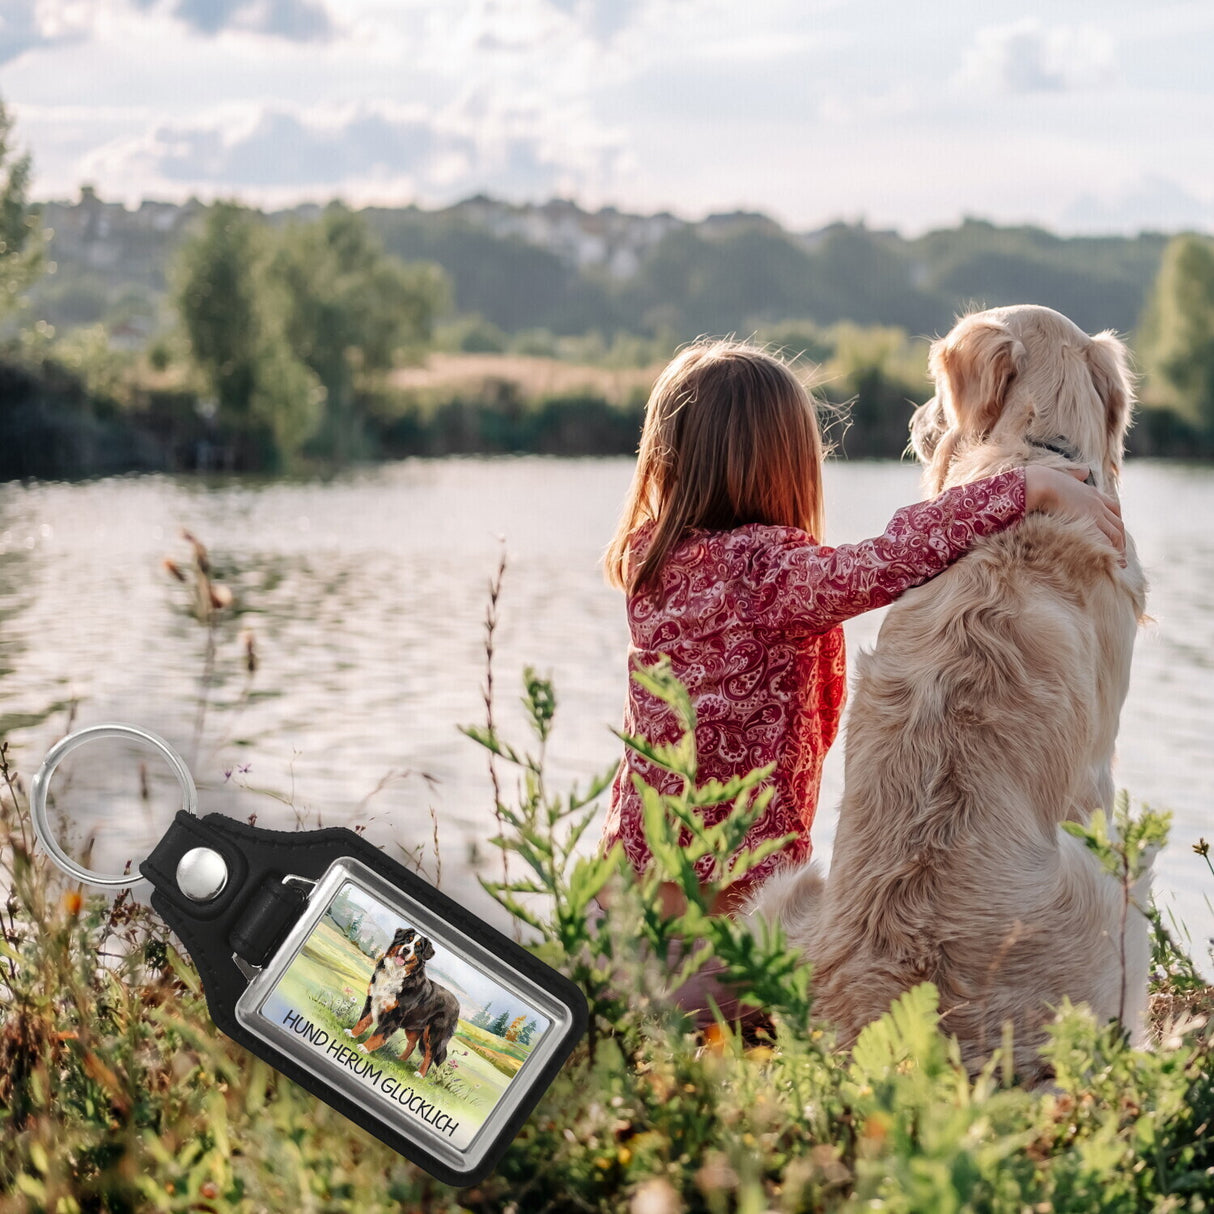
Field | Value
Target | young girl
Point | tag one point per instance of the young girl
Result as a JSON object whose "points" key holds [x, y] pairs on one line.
{"points": [[718, 551]]}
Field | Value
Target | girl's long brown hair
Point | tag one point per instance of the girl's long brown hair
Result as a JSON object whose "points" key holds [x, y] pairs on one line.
{"points": [[730, 437]]}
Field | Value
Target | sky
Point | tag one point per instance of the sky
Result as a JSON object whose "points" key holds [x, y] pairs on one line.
{"points": [[1080, 117]]}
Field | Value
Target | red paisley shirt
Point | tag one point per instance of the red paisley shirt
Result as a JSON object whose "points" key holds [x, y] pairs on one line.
{"points": [[751, 620]]}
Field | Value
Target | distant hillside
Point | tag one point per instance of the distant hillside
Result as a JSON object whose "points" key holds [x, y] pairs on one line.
{"points": [[569, 271]]}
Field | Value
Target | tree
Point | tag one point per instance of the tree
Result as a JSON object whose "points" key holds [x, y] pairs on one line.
{"points": [[350, 308], [217, 294], [498, 1027], [266, 397], [515, 1028], [286, 326], [21, 235], [1176, 340]]}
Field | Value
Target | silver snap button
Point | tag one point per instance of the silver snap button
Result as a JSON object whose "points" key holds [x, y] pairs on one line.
{"points": [[201, 874]]}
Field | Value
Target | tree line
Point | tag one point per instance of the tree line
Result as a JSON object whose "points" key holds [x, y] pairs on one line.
{"points": [[569, 272], [282, 332]]}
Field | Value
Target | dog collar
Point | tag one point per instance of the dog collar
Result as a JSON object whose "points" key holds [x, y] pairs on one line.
{"points": [[1060, 445]]}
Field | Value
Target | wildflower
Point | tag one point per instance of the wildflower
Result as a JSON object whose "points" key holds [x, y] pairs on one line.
{"points": [[1202, 848], [715, 1174], [656, 1196], [200, 551]]}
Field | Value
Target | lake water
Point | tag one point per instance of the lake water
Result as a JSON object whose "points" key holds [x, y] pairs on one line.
{"points": [[366, 597]]}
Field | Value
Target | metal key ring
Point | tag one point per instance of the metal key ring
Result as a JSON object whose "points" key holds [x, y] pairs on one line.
{"points": [[56, 754]]}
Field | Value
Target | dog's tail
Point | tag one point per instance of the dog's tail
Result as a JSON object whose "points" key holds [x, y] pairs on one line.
{"points": [[791, 897]]}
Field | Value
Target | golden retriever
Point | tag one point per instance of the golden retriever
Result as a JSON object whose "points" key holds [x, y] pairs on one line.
{"points": [[986, 716]]}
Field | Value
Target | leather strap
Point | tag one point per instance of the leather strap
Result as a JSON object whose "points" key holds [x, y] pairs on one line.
{"points": [[243, 917], [271, 910]]}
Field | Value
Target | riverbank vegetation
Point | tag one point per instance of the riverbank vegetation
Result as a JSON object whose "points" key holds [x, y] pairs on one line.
{"points": [[222, 338]]}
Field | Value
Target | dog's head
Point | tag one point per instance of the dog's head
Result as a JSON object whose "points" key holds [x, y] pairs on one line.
{"points": [[409, 949], [1010, 375]]}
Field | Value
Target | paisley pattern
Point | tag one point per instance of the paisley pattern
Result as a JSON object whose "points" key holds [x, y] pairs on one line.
{"points": [[751, 620]]}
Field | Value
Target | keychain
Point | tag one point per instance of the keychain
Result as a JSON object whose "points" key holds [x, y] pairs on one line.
{"points": [[352, 975]]}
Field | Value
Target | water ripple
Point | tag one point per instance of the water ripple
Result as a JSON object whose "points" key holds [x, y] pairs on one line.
{"points": [[367, 598]]}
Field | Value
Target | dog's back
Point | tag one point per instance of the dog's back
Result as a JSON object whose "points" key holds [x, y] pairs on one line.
{"points": [[427, 1006], [985, 716]]}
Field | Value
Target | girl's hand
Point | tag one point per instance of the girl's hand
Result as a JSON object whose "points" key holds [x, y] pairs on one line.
{"points": [[1058, 492]]}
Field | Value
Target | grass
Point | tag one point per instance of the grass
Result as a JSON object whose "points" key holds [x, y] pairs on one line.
{"points": [[118, 1094], [330, 955], [533, 377]]}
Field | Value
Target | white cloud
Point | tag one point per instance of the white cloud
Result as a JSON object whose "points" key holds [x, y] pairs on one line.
{"points": [[847, 108], [1152, 203], [29, 25], [367, 153], [803, 108], [1027, 57], [412, 101], [294, 20]]}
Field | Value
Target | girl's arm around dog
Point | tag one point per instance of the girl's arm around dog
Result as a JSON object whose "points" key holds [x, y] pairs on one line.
{"points": [[807, 588]]}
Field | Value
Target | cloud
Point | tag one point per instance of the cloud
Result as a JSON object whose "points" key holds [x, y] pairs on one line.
{"points": [[1151, 204], [376, 152], [602, 19], [1029, 58], [18, 31], [27, 25], [281, 148], [294, 20]]}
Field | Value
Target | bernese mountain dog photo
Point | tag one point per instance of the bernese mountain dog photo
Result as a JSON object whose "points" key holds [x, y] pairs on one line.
{"points": [[400, 996]]}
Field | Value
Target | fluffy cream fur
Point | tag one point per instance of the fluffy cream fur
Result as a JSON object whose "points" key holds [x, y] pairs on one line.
{"points": [[984, 717]]}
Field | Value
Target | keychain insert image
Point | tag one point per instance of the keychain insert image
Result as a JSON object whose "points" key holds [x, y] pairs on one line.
{"points": [[352, 975]]}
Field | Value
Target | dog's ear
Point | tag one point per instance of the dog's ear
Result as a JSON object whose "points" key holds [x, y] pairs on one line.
{"points": [[427, 949], [1108, 364], [973, 366]]}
